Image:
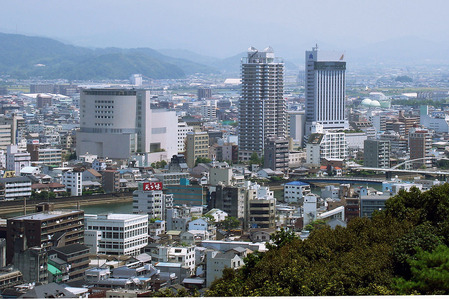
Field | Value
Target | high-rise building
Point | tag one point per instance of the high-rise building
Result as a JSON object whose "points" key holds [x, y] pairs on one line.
{"points": [[262, 107], [204, 93], [325, 89], [115, 123], [420, 144], [376, 153]]}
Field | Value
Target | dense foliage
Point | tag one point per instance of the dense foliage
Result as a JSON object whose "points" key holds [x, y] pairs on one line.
{"points": [[401, 250]]}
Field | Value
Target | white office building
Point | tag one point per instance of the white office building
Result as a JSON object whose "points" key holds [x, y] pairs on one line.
{"points": [[121, 234], [116, 123], [325, 89], [262, 107]]}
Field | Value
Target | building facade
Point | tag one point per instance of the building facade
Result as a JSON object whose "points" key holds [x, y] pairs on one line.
{"points": [[44, 230], [262, 107], [73, 181], [420, 144], [376, 153], [115, 123], [325, 89], [197, 146], [153, 203], [121, 234], [276, 154]]}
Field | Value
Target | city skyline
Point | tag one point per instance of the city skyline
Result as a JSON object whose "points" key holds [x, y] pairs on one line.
{"points": [[223, 29]]}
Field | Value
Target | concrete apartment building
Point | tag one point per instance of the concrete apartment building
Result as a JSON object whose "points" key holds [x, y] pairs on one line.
{"points": [[44, 156], [44, 230], [420, 145], [327, 145], [197, 146], [183, 129], [115, 123], [276, 154], [15, 188], [262, 107], [73, 181], [376, 153], [152, 203], [261, 211]]}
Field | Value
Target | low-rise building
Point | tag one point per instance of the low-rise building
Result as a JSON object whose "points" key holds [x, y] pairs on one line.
{"points": [[295, 191], [15, 188], [121, 234]]}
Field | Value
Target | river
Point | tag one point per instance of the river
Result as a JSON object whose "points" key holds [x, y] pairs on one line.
{"points": [[125, 207]]}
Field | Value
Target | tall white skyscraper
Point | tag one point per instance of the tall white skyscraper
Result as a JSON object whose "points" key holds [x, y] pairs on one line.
{"points": [[325, 89], [262, 108]]}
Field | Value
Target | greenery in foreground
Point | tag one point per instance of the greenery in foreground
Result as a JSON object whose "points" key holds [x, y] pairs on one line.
{"points": [[401, 250]]}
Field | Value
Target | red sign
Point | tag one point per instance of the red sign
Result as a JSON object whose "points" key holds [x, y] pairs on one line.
{"points": [[152, 186]]}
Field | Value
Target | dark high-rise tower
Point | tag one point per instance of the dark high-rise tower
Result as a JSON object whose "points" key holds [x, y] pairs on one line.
{"points": [[262, 108]]}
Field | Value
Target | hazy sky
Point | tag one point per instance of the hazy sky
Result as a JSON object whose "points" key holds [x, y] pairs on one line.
{"points": [[227, 27]]}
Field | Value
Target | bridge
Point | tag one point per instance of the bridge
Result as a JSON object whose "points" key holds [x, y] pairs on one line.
{"points": [[341, 180], [389, 171]]}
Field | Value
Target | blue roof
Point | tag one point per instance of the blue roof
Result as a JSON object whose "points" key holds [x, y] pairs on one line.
{"points": [[297, 183]]}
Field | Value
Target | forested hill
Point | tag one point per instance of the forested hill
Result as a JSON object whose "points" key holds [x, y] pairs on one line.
{"points": [[401, 250], [26, 56]]}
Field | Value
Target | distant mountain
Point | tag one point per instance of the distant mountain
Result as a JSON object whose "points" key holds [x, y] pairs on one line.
{"points": [[26, 56], [229, 65], [190, 55]]}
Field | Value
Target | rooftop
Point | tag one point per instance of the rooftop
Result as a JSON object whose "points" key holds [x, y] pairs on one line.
{"points": [[46, 215]]}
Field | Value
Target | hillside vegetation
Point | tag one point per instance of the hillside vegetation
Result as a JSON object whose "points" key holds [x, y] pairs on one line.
{"points": [[401, 250], [25, 56]]}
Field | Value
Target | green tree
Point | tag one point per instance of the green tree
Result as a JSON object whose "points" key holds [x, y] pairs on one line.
{"points": [[159, 164], [281, 238], [314, 225], [421, 237], [430, 273], [230, 223], [255, 159], [202, 160]]}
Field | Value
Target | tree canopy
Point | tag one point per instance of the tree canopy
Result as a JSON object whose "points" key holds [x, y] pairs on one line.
{"points": [[402, 249]]}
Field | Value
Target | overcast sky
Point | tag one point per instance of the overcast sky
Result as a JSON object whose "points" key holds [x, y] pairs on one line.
{"points": [[227, 27]]}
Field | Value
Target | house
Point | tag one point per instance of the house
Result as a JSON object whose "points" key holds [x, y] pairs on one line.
{"points": [[91, 175], [193, 237], [217, 261], [268, 173], [261, 234], [217, 214]]}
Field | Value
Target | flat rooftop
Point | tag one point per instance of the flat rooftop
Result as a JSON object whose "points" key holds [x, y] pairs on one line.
{"points": [[116, 216], [46, 215]]}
